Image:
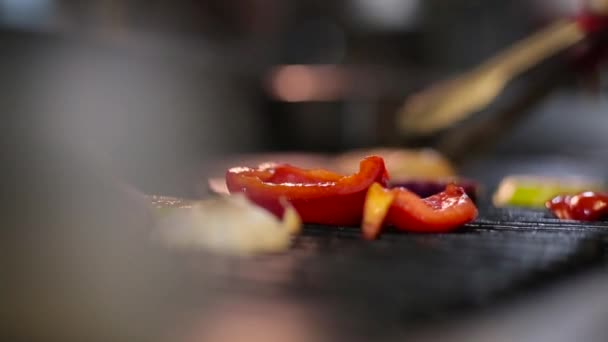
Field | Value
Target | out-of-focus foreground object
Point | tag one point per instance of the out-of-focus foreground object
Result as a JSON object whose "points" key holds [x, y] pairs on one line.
{"points": [[76, 251], [225, 225]]}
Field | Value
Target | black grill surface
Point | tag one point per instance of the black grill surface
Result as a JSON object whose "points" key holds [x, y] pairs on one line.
{"points": [[404, 279]]}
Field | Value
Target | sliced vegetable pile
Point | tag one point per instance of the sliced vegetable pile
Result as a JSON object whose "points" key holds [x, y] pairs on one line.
{"points": [[324, 197]]}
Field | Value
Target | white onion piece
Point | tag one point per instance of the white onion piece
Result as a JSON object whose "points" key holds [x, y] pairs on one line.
{"points": [[227, 225]]}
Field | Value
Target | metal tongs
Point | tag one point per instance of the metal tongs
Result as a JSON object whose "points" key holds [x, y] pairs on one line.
{"points": [[456, 99]]}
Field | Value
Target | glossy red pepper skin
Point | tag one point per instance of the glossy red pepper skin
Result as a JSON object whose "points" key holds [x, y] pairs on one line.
{"points": [[319, 196], [586, 206], [440, 213], [403, 209]]}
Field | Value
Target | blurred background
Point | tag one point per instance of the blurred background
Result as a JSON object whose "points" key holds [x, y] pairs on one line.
{"points": [[159, 87], [154, 92]]}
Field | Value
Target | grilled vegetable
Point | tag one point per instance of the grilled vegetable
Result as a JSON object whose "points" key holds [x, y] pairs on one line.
{"points": [[225, 225], [318, 195], [586, 206], [426, 188], [534, 191], [399, 207], [408, 164]]}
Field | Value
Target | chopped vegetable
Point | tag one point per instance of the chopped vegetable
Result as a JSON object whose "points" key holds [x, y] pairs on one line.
{"points": [[399, 207], [534, 191], [226, 225], [324, 197], [586, 206], [426, 188], [408, 164], [377, 205], [318, 195]]}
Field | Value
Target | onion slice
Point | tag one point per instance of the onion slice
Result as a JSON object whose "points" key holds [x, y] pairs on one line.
{"points": [[225, 225]]}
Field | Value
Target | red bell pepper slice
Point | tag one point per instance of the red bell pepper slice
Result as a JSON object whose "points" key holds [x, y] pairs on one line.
{"points": [[586, 206], [319, 196], [399, 207]]}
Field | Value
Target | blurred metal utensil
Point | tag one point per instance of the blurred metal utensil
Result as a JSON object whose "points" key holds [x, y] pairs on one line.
{"points": [[456, 99]]}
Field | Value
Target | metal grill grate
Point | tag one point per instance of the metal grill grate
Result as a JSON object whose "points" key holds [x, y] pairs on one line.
{"points": [[409, 277]]}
